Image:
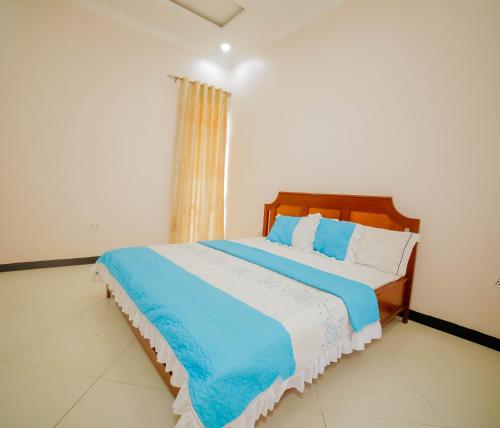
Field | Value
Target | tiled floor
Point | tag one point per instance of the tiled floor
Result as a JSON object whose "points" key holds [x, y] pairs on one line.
{"points": [[68, 359]]}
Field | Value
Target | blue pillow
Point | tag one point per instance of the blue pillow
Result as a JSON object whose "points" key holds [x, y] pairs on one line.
{"points": [[332, 237], [282, 230]]}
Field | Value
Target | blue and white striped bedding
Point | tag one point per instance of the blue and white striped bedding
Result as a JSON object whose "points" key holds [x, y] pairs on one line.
{"points": [[243, 329], [359, 298]]}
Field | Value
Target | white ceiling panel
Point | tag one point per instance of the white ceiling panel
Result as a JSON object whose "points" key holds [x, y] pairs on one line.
{"points": [[219, 12], [191, 24]]}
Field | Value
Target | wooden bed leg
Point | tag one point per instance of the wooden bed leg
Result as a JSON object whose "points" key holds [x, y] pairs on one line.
{"points": [[108, 292], [406, 314], [409, 285]]}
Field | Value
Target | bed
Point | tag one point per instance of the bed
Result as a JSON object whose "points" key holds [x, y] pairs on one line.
{"points": [[243, 326]]}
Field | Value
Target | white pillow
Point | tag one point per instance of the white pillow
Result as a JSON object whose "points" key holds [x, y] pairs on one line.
{"points": [[305, 231], [383, 249]]}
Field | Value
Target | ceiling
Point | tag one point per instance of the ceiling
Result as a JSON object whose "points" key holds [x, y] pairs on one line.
{"points": [[248, 25]]}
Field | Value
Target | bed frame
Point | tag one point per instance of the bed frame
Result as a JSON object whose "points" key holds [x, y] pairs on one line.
{"points": [[377, 211]]}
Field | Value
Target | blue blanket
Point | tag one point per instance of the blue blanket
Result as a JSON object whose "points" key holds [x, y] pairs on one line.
{"points": [[360, 299], [231, 352]]}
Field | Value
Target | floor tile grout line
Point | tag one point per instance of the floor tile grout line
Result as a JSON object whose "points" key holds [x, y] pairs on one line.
{"points": [[25, 348], [376, 418], [384, 419], [11, 359], [394, 355], [279, 406], [471, 356], [75, 403], [71, 372], [53, 369], [408, 422], [116, 359], [324, 420], [459, 347], [420, 424], [90, 387], [42, 337], [156, 388], [422, 394], [317, 392], [36, 342], [80, 314], [454, 340]]}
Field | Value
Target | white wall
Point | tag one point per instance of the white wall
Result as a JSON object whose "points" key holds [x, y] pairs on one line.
{"points": [[389, 97], [87, 121], [386, 97]]}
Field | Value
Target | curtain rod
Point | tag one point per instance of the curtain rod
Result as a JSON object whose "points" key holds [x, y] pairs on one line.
{"points": [[176, 78]]}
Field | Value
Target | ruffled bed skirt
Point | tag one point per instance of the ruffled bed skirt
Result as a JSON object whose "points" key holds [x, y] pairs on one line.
{"points": [[264, 401]]}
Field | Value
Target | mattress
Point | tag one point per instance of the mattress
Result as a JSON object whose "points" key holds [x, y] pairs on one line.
{"points": [[316, 321]]}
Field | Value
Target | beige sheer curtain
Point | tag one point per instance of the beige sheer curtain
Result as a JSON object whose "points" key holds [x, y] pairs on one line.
{"points": [[200, 148]]}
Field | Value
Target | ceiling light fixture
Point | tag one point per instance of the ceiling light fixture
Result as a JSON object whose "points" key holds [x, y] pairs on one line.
{"points": [[225, 47]]}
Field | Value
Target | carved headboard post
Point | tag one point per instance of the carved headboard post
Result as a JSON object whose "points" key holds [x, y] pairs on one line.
{"points": [[409, 284], [265, 223]]}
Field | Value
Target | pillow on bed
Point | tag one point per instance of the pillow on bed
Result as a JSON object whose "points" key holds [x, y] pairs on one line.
{"points": [[303, 235], [332, 237], [383, 249], [283, 228]]}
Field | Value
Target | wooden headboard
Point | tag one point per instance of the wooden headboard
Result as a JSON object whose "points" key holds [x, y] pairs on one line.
{"points": [[376, 211]]}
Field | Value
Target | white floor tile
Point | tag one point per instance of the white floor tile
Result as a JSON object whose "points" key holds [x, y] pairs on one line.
{"points": [[461, 390], [67, 290], [83, 346], [283, 417], [414, 338], [37, 398], [134, 367], [105, 312], [23, 326], [350, 421], [112, 404], [372, 384], [489, 357], [308, 400]]}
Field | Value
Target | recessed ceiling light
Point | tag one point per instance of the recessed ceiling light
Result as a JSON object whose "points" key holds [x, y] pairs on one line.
{"points": [[226, 47]]}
